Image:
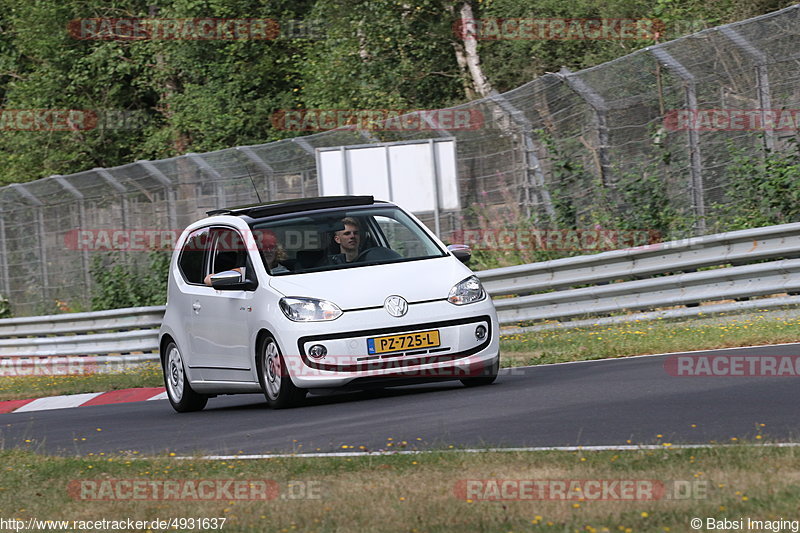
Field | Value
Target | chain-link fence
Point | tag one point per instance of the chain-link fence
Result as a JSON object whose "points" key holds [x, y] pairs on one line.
{"points": [[569, 150]]}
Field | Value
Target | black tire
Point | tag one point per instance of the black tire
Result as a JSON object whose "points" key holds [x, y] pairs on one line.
{"points": [[488, 377], [180, 394], [274, 377]]}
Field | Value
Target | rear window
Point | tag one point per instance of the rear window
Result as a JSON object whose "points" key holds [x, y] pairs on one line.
{"points": [[192, 256]]}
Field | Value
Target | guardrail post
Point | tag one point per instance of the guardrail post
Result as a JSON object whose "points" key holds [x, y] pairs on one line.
{"points": [[762, 80], [4, 255], [81, 220], [696, 185], [437, 229], [598, 103], [216, 177], [38, 205], [304, 179], [169, 192], [533, 168], [302, 143], [111, 180]]}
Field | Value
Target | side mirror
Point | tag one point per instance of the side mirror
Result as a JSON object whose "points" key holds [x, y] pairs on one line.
{"points": [[462, 252], [230, 280]]}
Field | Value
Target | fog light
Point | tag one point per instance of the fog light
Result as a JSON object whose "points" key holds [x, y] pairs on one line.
{"points": [[480, 332], [317, 351]]}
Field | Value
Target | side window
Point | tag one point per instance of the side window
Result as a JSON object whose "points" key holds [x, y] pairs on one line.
{"points": [[400, 238], [228, 251], [190, 261]]}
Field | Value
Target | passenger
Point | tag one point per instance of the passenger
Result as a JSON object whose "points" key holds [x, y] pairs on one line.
{"points": [[273, 252]]}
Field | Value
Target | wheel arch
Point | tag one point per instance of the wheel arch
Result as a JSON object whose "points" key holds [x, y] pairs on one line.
{"points": [[263, 333], [162, 346]]}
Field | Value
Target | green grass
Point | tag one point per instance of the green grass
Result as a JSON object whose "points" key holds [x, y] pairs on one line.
{"points": [[417, 493], [637, 338], [24, 387]]}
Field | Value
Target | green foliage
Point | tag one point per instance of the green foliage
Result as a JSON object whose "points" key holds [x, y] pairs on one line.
{"points": [[382, 55], [5, 308], [511, 62], [643, 195], [199, 95], [119, 284], [567, 176], [192, 95], [764, 189]]}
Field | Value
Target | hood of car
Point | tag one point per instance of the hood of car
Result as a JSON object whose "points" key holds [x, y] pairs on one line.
{"points": [[369, 286]]}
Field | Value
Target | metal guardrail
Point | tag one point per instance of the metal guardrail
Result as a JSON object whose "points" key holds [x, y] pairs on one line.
{"points": [[71, 342], [752, 263], [653, 276]]}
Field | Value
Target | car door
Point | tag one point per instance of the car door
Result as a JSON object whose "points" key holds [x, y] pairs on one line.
{"points": [[222, 325]]}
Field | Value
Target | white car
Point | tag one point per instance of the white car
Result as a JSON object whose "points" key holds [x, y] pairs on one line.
{"points": [[318, 293]]}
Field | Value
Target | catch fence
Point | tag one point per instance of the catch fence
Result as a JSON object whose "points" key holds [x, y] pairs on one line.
{"points": [[604, 146]]}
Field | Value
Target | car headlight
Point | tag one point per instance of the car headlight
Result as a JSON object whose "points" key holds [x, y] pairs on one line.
{"points": [[467, 291], [309, 309]]}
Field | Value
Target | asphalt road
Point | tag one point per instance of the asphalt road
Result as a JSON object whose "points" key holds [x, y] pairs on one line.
{"points": [[591, 403]]}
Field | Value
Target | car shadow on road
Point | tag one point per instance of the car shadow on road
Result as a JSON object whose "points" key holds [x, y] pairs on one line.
{"points": [[320, 397]]}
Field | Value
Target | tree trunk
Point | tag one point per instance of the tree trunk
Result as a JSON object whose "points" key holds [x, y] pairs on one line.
{"points": [[476, 84]]}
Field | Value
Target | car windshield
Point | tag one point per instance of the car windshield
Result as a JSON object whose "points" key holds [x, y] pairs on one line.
{"points": [[342, 239]]}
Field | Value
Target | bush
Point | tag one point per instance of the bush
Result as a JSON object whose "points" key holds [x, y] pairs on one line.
{"points": [[763, 189], [119, 284], [5, 308]]}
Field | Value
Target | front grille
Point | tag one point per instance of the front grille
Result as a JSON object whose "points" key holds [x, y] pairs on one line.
{"points": [[406, 358], [402, 354]]}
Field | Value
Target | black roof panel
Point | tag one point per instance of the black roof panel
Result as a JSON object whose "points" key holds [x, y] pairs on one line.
{"points": [[280, 207]]}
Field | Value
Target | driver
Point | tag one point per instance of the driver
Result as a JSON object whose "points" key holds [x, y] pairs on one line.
{"points": [[349, 240]]}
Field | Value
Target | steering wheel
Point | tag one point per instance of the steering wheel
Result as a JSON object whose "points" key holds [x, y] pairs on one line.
{"points": [[377, 253]]}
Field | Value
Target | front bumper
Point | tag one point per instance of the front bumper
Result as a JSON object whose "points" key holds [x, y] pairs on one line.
{"points": [[459, 355]]}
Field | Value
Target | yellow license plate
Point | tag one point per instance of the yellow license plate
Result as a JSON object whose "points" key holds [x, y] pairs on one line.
{"points": [[406, 341]]}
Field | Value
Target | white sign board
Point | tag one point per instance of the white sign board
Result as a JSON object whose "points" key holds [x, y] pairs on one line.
{"points": [[412, 174]]}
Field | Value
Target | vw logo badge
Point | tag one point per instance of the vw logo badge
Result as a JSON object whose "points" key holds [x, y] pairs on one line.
{"points": [[396, 306]]}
